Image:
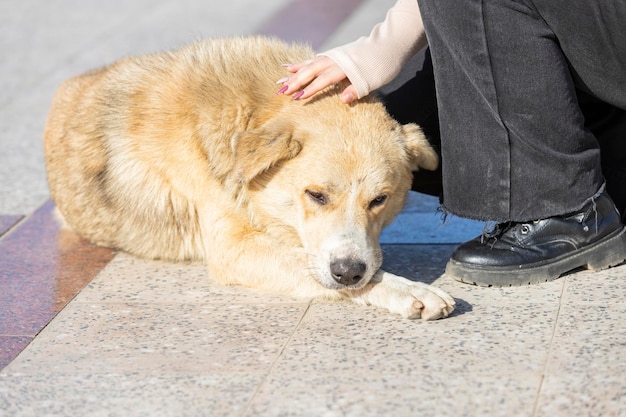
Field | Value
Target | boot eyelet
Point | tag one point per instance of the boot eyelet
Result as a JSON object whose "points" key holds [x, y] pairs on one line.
{"points": [[525, 229]]}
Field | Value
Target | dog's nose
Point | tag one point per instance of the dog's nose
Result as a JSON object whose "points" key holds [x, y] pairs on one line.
{"points": [[347, 271]]}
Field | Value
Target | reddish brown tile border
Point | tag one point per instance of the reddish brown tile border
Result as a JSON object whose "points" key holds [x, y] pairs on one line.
{"points": [[311, 21], [42, 267], [10, 347], [7, 222]]}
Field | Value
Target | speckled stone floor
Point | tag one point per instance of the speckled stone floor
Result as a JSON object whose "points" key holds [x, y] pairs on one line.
{"points": [[85, 331]]}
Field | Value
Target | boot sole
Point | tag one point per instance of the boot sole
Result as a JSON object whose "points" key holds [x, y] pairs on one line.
{"points": [[605, 253]]}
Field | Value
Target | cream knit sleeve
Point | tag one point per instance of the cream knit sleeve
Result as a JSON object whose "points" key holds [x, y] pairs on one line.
{"points": [[372, 61]]}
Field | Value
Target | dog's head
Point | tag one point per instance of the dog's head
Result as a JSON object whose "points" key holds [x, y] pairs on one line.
{"points": [[336, 175]]}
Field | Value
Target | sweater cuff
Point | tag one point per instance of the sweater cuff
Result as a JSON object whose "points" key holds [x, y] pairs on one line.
{"points": [[373, 61]]}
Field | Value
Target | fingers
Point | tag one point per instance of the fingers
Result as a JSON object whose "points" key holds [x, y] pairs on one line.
{"points": [[349, 94], [296, 67], [311, 76]]}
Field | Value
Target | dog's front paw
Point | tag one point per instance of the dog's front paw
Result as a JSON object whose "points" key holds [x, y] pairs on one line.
{"points": [[407, 298], [428, 302]]}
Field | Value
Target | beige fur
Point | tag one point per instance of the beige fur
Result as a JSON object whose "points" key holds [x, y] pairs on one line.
{"points": [[191, 155]]}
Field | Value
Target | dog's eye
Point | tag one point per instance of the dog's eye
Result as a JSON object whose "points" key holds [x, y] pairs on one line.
{"points": [[378, 201], [318, 197]]}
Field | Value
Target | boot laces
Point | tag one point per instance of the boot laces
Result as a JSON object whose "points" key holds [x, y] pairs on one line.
{"points": [[491, 236]]}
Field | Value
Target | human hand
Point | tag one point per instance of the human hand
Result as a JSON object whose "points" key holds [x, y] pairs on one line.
{"points": [[315, 75]]}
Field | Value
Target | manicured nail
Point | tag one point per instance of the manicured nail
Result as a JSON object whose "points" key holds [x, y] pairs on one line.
{"points": [[282, 80], [298, 95], [282, 90]]}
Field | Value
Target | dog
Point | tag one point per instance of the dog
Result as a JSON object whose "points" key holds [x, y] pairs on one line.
{"points": [[190, 155]]}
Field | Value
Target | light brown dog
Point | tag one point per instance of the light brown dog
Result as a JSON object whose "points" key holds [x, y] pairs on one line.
{"points": [[191, 155]]}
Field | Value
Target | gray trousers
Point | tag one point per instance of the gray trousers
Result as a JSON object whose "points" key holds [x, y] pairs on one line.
{"points": [[530, 100]]}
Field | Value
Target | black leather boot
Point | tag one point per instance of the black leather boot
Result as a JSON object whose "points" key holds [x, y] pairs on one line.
{"points": [[543, 250]]}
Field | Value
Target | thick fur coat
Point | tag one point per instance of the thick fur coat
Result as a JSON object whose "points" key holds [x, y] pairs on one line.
{"points": [[191, 155]]}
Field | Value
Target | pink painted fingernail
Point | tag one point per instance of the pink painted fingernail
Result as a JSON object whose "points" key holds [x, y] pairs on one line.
{"points": [[282, 80], [282, 90], [298, 95]]}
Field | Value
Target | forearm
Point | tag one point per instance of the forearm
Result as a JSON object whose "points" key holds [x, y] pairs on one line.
{"points": [[373, 61]]}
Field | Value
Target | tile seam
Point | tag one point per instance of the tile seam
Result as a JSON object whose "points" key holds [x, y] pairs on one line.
{"points": [[544, 372]]}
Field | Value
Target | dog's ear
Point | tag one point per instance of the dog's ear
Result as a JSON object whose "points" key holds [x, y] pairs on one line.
{"points": [[259, 149], [421, 154]]}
